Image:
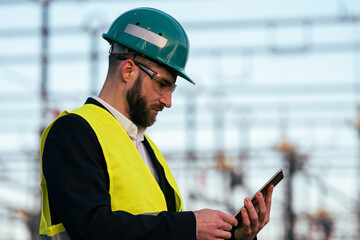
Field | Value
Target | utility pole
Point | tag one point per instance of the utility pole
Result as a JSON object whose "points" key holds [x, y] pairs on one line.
{"points": [[293, 162], [358, 185], [94, 59], [190, 125], [94, 25], [289, 211], [288, 151], [44, 61], [33, 217]]}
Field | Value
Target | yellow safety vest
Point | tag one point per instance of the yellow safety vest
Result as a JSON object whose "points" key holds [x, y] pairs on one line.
{"points": [[132, 187]]}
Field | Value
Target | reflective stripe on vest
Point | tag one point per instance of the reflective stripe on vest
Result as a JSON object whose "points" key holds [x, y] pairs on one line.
{"points": [[132, 187], [58, 236]]}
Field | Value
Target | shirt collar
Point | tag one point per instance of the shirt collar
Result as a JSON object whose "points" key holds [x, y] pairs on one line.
{"points": [[135, 133]]}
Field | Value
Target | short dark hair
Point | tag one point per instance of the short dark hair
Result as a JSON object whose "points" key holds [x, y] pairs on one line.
{"points": [[113, 63]]}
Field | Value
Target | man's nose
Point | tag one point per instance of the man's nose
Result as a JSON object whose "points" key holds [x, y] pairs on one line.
{"points": [[166, 99]]}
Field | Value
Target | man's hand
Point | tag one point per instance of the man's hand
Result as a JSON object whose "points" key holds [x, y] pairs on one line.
{"points": [[213, 224], [252, 220]]}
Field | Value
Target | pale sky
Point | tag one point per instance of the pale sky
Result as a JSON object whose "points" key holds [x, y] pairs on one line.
{"points": [[305, 96]]}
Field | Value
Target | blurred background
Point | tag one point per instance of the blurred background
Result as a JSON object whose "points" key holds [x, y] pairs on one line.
{"points": [[277, 86]]}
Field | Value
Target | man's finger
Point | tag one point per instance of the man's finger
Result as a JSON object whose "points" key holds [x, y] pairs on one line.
{"points": [[262, 208], [230, 219], [252, 214], [245, 221], [227, 227]]}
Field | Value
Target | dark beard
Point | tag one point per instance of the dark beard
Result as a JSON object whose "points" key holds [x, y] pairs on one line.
{"points": [[139, 113]]}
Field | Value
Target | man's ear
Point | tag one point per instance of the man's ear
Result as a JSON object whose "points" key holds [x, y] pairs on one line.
{"points": [[128, 70]]}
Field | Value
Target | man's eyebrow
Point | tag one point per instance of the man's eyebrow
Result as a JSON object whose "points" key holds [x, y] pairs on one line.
{"points": [[164, 80]]}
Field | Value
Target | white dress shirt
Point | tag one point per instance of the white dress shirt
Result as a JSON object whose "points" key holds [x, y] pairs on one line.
{"points": [[135, 133]]}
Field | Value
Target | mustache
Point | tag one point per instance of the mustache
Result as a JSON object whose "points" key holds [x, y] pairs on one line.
{"points": [[157, 107]]}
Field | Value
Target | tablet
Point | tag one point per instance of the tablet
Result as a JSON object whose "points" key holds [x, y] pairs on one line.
{"points": [[274, 180]]}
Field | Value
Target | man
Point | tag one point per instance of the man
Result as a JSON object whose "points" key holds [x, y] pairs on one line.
{"points": [[102, 178]]}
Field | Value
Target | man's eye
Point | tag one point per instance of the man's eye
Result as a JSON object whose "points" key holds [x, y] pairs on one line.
{"points": [[163, 84]]}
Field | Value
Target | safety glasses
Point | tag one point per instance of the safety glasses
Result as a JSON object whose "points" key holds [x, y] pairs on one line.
{"points": [[161, 84]]}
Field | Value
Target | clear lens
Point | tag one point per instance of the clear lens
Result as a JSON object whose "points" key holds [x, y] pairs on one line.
{"points": [[162, 85]]}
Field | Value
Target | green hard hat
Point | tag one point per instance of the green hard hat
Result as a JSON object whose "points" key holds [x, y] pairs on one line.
{"points": [[154, 34]]}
